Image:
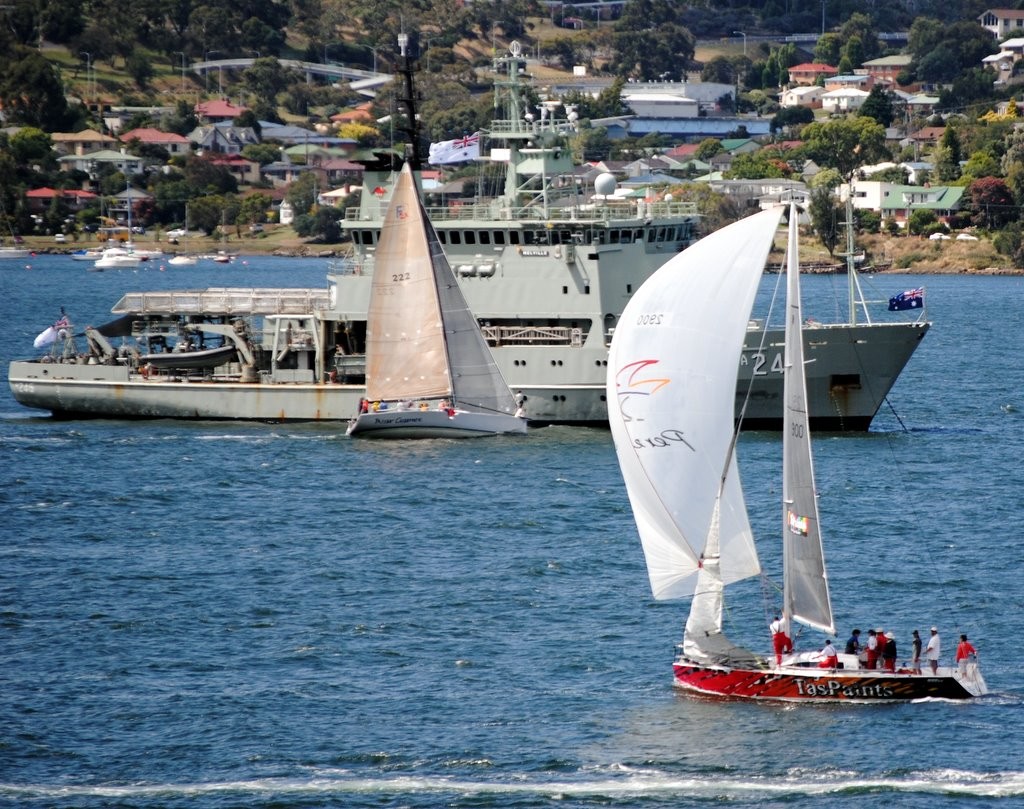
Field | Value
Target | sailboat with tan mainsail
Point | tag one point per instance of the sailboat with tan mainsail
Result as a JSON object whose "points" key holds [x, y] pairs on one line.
{"points": [[429, 371]]}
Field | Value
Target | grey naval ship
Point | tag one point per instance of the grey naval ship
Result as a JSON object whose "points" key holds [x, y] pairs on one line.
{"points": [[546, 272]]}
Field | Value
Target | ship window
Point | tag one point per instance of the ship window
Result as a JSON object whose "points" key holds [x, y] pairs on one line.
{"points": [[499, 237], [650, 235], [627, 236], [442, 236], [456, 237], [470, 237], [514, 237], [366, 237], [586, 289], [485, 237], [661, 234], [565, 290], [629, 289]]}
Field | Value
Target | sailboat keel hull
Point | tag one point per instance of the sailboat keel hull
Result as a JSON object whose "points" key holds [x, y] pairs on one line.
{"points": [[434, 424], [827, 686]]}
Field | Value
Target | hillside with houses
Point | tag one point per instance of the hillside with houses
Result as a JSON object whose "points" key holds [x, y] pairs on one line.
{"points": [[920, 127]]}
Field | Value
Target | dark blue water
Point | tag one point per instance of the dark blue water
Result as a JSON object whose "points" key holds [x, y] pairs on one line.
{"points": [[210, 615]]}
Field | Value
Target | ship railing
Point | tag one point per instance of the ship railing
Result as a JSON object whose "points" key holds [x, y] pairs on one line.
{"points": [[224, 301], [533, 335], [586, 212], [349, 266]]}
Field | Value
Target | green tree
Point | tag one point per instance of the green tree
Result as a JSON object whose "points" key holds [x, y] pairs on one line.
{"points": [[921, 220], [206, 213], [788, 117], [947, 156], [253, 208], [649, 42], [140, 68], [708, 148], [756, 166], [31, 92], [826, 216], [878, 105], [861, 28], [980, 164], [846, 143], [301, 194], [827, 49], [262, 153]]}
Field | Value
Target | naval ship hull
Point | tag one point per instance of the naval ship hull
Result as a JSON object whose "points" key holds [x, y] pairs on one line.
{"points": [[851, 370], [547, 259]]}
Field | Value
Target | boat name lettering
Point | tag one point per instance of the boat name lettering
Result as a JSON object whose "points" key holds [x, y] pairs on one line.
{"points": [[760, 363], [650, 320], [834, 688], [665, 438], [533, 251], [399, 420], [23, 387]]}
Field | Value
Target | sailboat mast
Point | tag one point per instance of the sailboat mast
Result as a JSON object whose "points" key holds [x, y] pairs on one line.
{"points": [[851, 260]]}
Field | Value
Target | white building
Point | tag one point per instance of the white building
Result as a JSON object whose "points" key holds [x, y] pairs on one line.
{"points": [[845, 100]]}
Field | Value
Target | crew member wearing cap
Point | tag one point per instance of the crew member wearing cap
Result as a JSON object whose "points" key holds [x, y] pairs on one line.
{"points": [[933, 650]]}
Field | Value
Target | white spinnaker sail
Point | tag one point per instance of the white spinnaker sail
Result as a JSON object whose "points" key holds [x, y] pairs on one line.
{"points": [[671, 397], [805, 596]]}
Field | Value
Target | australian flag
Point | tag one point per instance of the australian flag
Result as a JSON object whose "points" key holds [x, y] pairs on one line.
{"points": [[908, 299]]}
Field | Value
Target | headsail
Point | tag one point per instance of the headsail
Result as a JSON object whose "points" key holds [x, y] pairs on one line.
{"points": [[805, 596], [671, 397]]}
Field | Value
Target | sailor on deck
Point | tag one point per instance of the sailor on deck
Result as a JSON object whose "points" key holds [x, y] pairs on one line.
{"points": [[829, 657], [780, 640]]}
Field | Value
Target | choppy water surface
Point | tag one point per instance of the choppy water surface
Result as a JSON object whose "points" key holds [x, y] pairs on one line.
{"points": [[233, 615]]}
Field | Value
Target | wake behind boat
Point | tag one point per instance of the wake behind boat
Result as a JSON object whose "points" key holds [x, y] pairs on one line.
{"points": [[670, 393]]}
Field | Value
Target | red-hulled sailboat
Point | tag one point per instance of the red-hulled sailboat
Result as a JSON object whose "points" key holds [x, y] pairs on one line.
{"points": [[671, 388]]}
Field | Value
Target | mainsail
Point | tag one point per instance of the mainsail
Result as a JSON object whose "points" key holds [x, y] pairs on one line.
{"points": [[422, 339], [406, 355], [805, 589], [672, 386]]}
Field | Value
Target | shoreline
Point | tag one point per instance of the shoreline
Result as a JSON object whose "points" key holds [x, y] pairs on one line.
{"points": [[924, 265]]}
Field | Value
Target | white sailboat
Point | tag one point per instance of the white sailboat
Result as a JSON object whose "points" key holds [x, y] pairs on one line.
{"points": [[120, 258], [429, 372], [671, 388]]}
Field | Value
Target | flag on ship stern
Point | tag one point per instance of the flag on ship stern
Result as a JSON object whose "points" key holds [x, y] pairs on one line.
{"points": [[459, 150], [908, 299], [49, 335]]}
